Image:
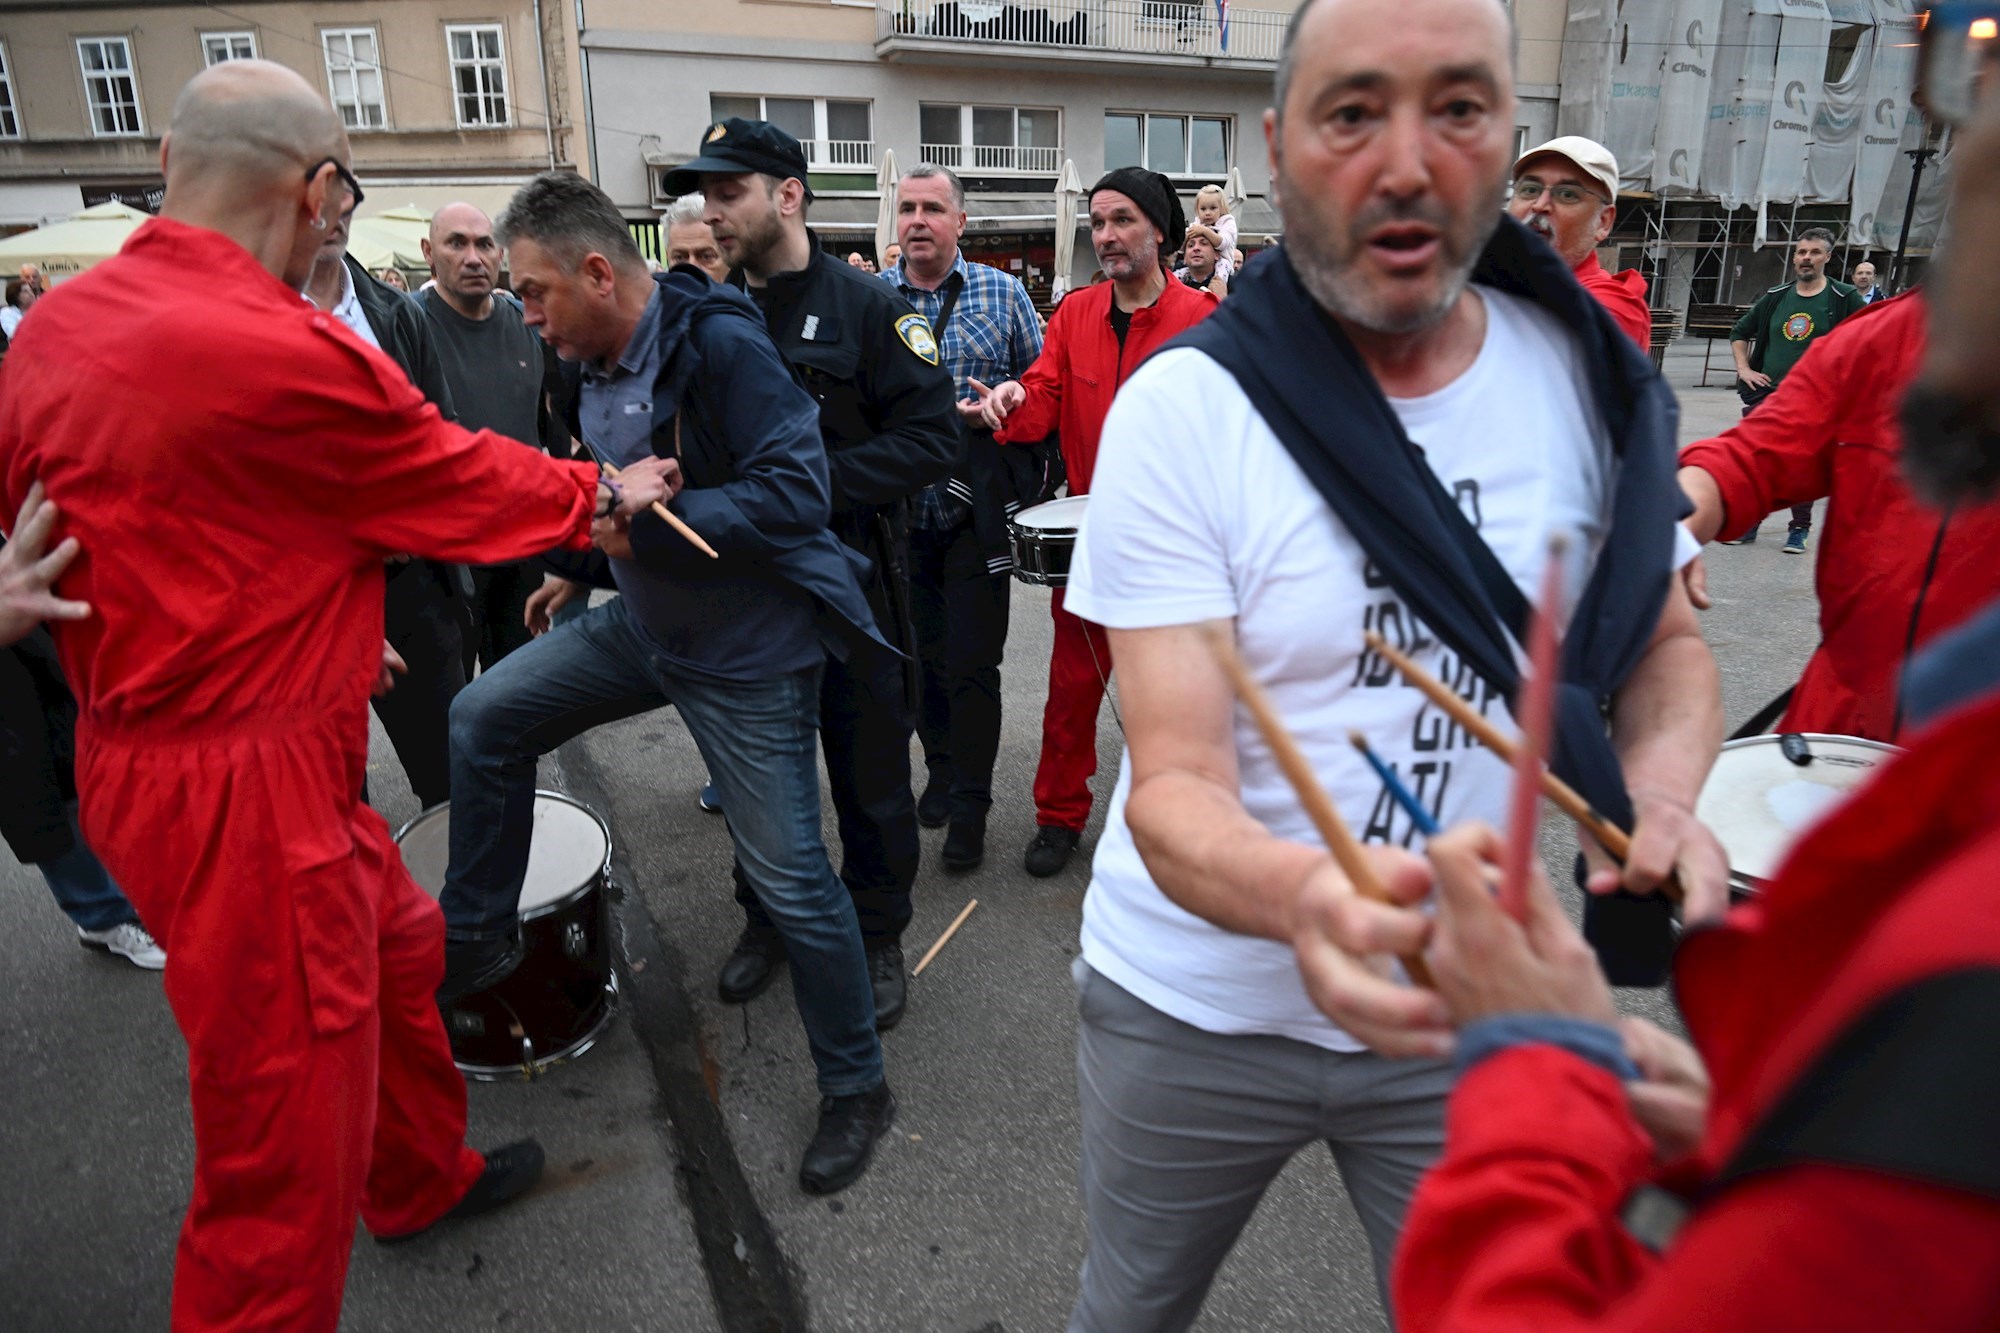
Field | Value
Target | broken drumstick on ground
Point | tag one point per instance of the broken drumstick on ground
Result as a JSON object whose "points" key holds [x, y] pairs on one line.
{"points": [[1319, 807], [943, 939]]}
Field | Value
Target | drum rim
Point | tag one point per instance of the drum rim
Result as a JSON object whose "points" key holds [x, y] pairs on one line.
{"points": [[542, 1064], [576, 895], [1774, 737]]}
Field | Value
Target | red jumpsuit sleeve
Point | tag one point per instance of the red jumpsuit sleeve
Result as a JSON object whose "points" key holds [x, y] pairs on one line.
{"points": [[355, 442], [1041, 412], [1782, 453], [1516, 1229]]}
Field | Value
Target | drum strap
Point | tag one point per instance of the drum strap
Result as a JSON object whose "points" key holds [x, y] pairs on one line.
{"points": [[1760, 722], [1907, 1090]]}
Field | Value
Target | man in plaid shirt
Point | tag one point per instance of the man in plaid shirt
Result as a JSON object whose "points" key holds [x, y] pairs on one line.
{"points": [[987, 332]]}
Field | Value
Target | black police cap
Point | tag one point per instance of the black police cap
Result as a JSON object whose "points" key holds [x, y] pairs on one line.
{"points": [[736, 145]]}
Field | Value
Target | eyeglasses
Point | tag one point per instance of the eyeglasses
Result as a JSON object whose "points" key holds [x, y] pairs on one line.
{"points": [[1569, 196], [354, 194]]}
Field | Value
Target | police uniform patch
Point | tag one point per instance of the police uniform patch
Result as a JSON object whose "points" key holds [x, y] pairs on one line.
{"points": [[915, 331], [1799, 327], [716, 133]]}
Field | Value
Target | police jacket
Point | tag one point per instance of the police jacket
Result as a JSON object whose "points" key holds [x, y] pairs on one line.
{"points": [[708, 416], [885, 404]]}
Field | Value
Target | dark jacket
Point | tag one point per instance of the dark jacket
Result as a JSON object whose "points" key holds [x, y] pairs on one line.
{"points": [[37, 750], [404, 331], [714, 407]]}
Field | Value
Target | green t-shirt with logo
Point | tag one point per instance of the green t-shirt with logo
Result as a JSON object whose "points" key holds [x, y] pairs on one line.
{"points": [[1796, 320]]}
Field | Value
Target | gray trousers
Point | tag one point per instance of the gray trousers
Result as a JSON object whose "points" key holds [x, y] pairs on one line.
{"points": [[1183, 1130]]}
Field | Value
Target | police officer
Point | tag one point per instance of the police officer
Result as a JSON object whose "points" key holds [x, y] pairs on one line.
{"points": [[887, 416]]}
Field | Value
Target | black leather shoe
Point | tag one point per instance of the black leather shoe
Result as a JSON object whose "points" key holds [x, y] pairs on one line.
{"points": [[891, 987], [934, 806], [751, 966], [1050, 850], [510, 1172], [965, 845], [845, 1139], [474, 965]]}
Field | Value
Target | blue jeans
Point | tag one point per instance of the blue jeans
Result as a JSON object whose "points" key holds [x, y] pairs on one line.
{"points": [[759, 739], [83, 888]]}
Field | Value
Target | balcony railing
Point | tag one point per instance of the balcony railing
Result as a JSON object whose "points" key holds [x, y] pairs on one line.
{"points": [[834, 154], [981, 157], [1175, 28]]}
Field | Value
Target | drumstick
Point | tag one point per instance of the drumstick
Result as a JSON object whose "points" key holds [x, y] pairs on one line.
{"points": [[943, 939], [1614, 839], [1319, 807], [1537, 697], [673, 521]]}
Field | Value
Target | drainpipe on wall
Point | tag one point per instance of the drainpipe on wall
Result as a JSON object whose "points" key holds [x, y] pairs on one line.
{"points": [[589, 103], [542, 64]]}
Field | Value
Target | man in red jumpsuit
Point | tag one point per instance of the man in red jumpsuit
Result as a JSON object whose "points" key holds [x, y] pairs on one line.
{"points": [[1097, 338], [238, 465], [1892, 572]]}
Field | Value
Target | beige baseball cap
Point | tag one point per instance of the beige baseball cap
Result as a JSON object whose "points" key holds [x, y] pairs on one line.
{"points": [[1591, 157]]}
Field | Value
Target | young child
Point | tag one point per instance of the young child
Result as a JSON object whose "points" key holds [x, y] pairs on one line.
{"points": [[1213, 212]]}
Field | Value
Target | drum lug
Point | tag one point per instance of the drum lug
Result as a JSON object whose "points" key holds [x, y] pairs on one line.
{"points": [[528, 1069]]}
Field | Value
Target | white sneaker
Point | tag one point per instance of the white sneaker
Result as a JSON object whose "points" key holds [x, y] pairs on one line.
{"points": [[129, 941]]}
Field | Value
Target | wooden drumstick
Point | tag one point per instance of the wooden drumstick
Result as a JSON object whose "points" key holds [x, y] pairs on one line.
{"points": [[1319, 807], [1615, 840], [673, 521], [944, 939]]}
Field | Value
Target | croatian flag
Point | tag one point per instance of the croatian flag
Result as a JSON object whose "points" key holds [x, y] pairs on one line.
{"points": [[1222, 21]]}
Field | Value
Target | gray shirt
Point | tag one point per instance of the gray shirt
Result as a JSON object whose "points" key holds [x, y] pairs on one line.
{"points": [[733, 620], [493, 365]]}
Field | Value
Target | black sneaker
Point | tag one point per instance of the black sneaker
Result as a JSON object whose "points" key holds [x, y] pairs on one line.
{"points": [[751, 966], [891, 987], [845, 1139], [511, 1171], [475, 965], [1050, 851], [965, 845], [934, 806]]}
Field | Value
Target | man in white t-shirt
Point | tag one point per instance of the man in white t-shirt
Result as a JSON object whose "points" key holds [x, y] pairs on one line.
{"points": [[1209, 1052]]}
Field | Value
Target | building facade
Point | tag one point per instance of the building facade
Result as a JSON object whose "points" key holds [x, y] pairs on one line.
{"points": [[443, 99], [1003, 93]]}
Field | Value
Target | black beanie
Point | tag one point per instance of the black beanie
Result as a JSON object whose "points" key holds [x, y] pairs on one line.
{"points": [[1154, 194]]}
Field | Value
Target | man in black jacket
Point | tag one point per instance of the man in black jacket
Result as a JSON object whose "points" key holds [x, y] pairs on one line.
{"points": [[428, 604], [886, 415]]}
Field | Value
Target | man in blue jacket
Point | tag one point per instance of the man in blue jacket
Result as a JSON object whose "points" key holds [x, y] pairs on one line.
{"points": [[681, 369]]}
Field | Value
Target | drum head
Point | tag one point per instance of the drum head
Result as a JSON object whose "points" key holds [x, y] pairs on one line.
{"points": [[567, 852], [1064, 515], [1759, 803]]}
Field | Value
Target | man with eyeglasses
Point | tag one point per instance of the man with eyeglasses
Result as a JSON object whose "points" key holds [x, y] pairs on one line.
{"points": [[1567, 192], [238, 465]]}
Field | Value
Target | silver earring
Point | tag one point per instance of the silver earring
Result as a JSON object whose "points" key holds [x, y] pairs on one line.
{"points": [[319, 224]]}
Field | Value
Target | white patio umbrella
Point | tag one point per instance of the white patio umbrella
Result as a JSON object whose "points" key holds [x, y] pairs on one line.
{"points": [[1069, 189], [885, 213], [65, 249]]}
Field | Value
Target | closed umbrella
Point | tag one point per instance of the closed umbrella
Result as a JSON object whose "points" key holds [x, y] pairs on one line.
{"points": [[1233, 194], [1069, 189], [885, 213], [65, 249]]}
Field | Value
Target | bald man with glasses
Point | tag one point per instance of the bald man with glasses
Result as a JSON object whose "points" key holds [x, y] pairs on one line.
{"points": [[1567, 192]]}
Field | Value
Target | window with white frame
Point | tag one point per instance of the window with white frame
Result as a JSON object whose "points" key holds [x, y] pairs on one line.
{"points": [[354, 76], [217, 47], [478, 73], [990, 138], [110, 85], [10, 119], [1171, 145], [835, 132]]}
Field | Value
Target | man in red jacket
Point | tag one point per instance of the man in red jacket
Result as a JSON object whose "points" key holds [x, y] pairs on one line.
{"points": [[1098, 337], [1892, 572], [1567, 190], [237, 466]]}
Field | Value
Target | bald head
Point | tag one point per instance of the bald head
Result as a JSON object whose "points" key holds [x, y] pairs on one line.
{"points": [[252, 121], [255, 153]]}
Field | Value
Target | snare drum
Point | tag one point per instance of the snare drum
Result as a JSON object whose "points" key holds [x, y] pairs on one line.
{"points": [[1043, 539], [1759, 799], [554, 1006]]}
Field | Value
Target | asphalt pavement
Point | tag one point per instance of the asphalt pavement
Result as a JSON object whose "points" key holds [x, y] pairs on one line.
{"points": [[671, 1201]]}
